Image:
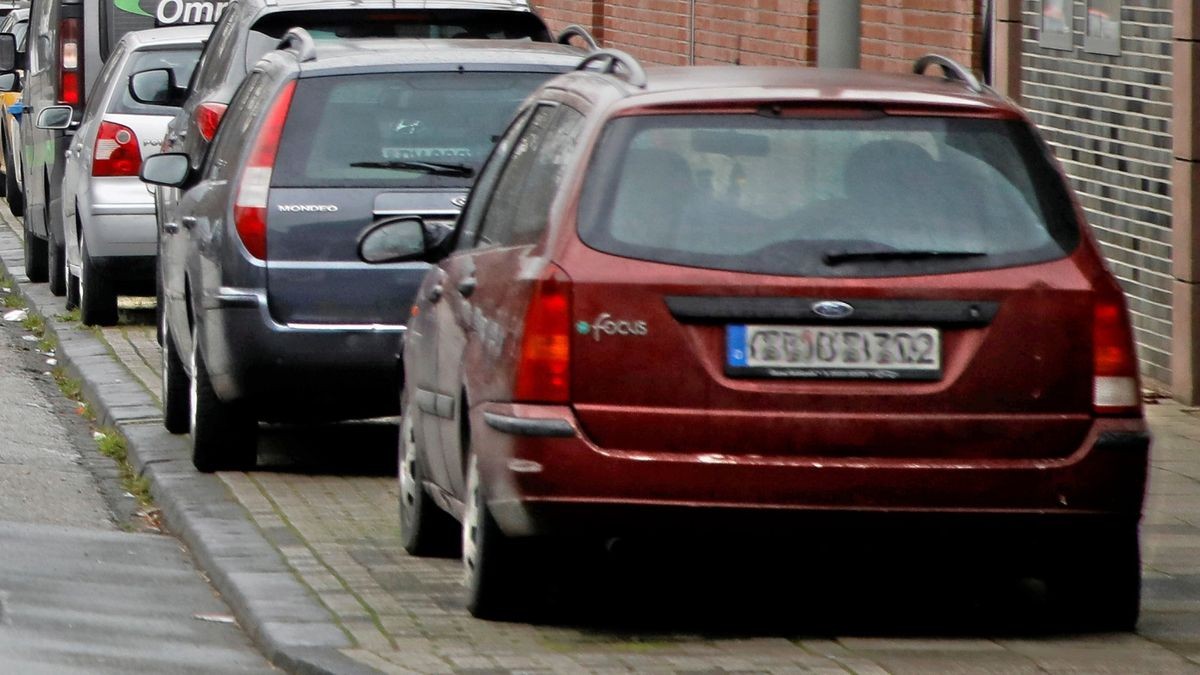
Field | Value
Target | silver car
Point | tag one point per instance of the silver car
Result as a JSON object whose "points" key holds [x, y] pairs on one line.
{"points": [[108, 213]]}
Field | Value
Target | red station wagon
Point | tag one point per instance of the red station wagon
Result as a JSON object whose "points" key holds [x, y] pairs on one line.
{"points": [[717, 298]]}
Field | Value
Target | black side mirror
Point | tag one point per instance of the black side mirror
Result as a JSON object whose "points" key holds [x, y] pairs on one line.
{"points": [[395, 240], [10, 82], [8, 52], [156, 87], [171, 169]]}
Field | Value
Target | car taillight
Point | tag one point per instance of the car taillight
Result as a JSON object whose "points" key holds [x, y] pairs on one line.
{"points": [[543, 373], [208, 118], [254, 187], [70, 82], [1115, 379], [116, 152]]}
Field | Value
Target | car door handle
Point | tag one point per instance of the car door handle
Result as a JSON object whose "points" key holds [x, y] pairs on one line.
{"points": [[467, 286], [435, 293], [188, 221]]}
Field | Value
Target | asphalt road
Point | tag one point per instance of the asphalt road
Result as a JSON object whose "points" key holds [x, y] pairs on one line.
{"points": [[79, 593]]}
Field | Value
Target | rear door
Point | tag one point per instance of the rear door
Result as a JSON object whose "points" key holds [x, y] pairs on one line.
{"points": [[909, 295]]}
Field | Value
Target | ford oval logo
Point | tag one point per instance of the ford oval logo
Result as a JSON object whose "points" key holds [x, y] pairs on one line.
{"points": [[832, 309]]}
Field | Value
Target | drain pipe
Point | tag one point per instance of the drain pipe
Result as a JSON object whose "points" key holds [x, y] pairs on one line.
{"points": [[839, 34], [692, 33]]}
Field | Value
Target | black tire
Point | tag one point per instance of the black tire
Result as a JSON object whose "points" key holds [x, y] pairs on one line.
{"points": [[72, 298], [97, 297], [425, 529], [1095, 582], [35, 257], [224, 438], [12, 191], [176, 397], [158, 294], [57, 253], [496, 567]]}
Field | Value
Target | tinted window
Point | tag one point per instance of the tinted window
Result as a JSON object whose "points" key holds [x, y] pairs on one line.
{"points": [[103, 81], [181, 61], [779, 195], [234, 133], [409, 23], [116, 21], [210, 71], [359, 130]]}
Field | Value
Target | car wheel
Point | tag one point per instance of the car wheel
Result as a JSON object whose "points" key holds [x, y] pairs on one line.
{"points": [[492, 562], [12, 190], [176, 397], [35, 257], [72, 300], [1095, 584], [57, 254], [425, 529], [97, 298], [224, 438]]}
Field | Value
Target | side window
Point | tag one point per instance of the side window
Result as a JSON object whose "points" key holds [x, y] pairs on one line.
{"points": [[40, 55], [500, 221], [110, 70], [486, 182], [544, 177], [208, 72], [235, 128]]}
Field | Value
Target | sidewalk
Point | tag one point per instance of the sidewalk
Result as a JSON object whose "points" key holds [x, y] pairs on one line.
{"points": [[312, 564]]}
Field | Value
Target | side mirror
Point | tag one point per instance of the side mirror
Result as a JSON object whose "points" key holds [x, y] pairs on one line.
{"points": [[10, 82], [8, 52], [396, 240], [171, 169], [155, 87], [55, 117]]}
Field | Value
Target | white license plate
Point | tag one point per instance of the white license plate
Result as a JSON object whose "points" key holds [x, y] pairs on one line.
{"points": [[853, 352]]}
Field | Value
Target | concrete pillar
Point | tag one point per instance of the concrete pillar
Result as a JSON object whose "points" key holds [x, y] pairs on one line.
{"points": [[1006, 49], [1185, 209], [839, 33]]}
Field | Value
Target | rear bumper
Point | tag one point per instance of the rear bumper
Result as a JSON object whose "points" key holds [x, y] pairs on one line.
{"points": [[544, 476], [289, 373], [122, 231]]}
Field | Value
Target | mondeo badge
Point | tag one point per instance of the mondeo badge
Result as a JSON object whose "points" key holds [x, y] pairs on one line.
{"points": [[832, 309]]}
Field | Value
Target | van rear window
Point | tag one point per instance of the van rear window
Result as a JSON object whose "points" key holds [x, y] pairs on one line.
{"points": [[409, 23], [425, 129], [888, 196]]}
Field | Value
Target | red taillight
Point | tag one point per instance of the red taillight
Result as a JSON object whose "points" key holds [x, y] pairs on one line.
{"points": [[70, 44], [208, 118], [254, 187], [1115, 380], [116, 152], [544, 371]]}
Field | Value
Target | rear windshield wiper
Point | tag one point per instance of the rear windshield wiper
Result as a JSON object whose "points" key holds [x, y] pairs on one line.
{"points": [[838, 257], [435, 168]]}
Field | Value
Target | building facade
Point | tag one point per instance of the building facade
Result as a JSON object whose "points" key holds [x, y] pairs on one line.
{"points": [[1112, 84]]}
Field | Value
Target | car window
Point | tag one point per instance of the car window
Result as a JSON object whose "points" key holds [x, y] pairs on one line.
{"points": [[499, 218], [481, 192], [778, 195], [104, 81], [407, 23], [209, 71], [179, 60], [234, 131], [384, 129], [534, 192]]}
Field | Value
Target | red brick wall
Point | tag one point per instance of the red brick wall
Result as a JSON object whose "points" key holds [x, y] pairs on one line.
{"points": [[769, 32]]}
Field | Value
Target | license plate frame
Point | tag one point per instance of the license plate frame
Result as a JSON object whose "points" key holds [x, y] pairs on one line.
{"points": [[804, 352]]}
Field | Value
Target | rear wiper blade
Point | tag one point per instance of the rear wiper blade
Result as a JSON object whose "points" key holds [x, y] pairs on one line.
{"points": [[838, 257], [435, 168]]}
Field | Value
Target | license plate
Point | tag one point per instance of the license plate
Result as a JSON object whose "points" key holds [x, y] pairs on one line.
{"points": [[851, 352]]}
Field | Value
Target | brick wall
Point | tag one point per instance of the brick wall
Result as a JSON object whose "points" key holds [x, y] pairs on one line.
{"points": [[897, 32], [1109, 120]]}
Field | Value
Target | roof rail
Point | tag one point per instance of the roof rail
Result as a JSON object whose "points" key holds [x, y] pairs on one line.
{"points": [[575, 30], [952, 70], [612, 58], [299, 41]]}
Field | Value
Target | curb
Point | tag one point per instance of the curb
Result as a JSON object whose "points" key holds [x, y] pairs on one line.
{"points": [[281, 615]]}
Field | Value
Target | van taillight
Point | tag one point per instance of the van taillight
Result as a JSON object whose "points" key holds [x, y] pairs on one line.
{"points": [[543, 372], [1115, 375], [208, 118], [254, 187], [116, 152], [70, 44]]}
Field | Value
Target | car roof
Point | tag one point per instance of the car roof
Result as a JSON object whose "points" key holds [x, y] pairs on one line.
{"points": [[383, 52], [192, 34], [681, 86], [509, 5]]}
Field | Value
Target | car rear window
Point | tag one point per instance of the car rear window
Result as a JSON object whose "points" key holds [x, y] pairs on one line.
{"points": [[181, 60], [793, 195], [408, 23], [385, 129]]}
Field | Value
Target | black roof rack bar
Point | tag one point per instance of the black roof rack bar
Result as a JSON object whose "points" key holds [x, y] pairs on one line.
{"points": [[575, 30], [299, 41], [952, 69], [612, 58]]}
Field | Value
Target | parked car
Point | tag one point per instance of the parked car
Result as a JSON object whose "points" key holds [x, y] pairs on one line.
{"points": [[268, 314], [111, 234], [725, 299], [11, 111]]}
